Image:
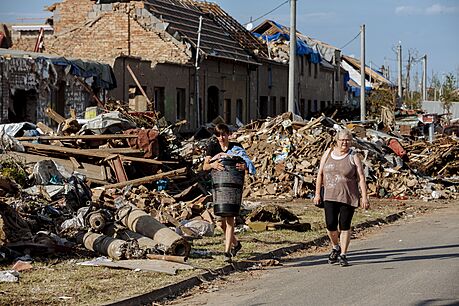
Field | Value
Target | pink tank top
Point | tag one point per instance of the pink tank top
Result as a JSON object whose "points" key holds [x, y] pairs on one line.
{"points": [[341, 180]]}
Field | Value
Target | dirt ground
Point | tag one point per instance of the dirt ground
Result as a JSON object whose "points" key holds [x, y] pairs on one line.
{"points": [[58, 280]]}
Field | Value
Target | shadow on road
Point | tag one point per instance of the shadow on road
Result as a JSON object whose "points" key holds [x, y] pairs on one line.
{"points": [[374, 255]]}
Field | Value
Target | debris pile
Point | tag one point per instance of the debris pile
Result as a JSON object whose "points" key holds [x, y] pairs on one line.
{"points": [[116, 189], [287, 153]]}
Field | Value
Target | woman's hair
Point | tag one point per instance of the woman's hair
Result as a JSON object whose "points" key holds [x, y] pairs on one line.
{"points": [[221, 128], [343, 133]]}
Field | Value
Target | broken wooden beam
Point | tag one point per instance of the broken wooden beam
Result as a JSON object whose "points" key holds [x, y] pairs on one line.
{"points": [[150, 104], [54, 115], [76, 137], [148, 179], [99, 153]]}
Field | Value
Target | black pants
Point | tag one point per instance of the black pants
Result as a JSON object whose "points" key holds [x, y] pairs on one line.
{"points": [[336, 212]]}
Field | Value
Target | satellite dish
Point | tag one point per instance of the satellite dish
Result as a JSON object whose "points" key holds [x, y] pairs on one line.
{"points": [[249, 26]]}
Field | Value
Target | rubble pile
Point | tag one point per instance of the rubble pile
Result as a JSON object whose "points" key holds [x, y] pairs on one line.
{"points": [[116, 189], [287, 152]]}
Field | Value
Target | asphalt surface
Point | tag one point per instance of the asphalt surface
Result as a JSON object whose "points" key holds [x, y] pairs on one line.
{"points": [[413, 262]]}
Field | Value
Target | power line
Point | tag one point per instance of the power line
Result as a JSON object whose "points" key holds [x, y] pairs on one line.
{"points": [[277, 7], [350, 41]]}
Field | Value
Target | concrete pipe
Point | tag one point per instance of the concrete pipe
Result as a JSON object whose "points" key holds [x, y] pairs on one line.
{"points": [[145, 243], [140, 222], [114, 248], [97, 221]]}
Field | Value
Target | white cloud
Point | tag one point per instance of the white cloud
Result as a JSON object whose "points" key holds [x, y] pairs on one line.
{"points": [[440, 9], [318, 15], [434, 9], [407, 10]]}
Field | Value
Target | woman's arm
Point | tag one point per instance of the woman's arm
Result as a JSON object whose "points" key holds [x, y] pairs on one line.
{"points": [[362, 184], [212, 165], [320, 174]]}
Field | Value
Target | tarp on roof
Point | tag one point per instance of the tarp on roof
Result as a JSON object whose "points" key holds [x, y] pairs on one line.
{"points": [[102, 73], [302, 47]]}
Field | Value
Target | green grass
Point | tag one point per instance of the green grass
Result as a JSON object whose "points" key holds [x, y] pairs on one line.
{"points": [[50, 280]]}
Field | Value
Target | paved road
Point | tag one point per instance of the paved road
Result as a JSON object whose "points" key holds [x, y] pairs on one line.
{"points": [[408, 263]]}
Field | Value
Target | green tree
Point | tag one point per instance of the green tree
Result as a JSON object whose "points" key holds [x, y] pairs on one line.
{"points": [[434, 87], [448, 94]]}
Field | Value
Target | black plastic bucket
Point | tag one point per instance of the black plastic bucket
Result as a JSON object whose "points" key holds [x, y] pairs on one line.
{"points": [[227, 188]]}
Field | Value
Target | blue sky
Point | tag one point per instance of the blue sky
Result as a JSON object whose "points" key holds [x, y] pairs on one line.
{"points": [[424, 26]]}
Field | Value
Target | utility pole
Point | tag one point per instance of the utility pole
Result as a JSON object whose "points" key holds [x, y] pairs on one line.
{"points": [[196, 66], [292, 62], [424, 77], [399, 58], [408, 76], [363, 109]]}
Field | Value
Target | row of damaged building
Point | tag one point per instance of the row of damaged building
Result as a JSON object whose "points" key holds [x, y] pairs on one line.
{"points": [[152, 48]]}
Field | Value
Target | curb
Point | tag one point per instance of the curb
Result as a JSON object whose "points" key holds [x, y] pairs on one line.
{"points": [[180, 287]]}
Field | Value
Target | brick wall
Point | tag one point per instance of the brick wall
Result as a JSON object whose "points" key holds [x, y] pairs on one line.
{"points": [[70, 13], [110, 32]]}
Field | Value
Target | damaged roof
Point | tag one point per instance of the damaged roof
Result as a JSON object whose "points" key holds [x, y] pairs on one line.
{"points": [[101, 73], [317, 50], [221, 35], [369, 72]]}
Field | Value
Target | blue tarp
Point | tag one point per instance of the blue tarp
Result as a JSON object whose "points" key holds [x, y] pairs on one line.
{"points": [[356, 90], [302, 48], [102, 73], [346, 79]]}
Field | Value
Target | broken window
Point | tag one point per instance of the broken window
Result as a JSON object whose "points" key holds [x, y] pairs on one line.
{"points": [[263, 107], [302, 107], [227, 111], [239, 109], [180, 106], [273, 107], [137, 101], [283, 105], [159, 100]]}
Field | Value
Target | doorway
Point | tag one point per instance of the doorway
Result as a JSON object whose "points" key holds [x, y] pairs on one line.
{"points": [[213, 102], [23, 106]]}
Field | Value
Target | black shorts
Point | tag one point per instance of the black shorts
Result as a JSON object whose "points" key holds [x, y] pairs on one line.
{"points": [[336, 212]]}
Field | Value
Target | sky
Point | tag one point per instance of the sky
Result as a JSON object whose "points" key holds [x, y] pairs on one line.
{"points": [[421, 26]]}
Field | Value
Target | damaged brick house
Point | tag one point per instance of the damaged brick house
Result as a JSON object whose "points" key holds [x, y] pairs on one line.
{"points": [[158, 39], [30, 82], [320, 80]]}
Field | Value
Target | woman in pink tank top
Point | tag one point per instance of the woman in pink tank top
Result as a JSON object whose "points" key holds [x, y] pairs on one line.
{"points": [[341, 175]]}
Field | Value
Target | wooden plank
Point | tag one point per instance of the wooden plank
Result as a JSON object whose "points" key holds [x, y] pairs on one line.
{"points": [[92, 172], [76, 137], [76, 164], [148, 179], [54, 115], [90, 153], [45, 129], [116, 164]]}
